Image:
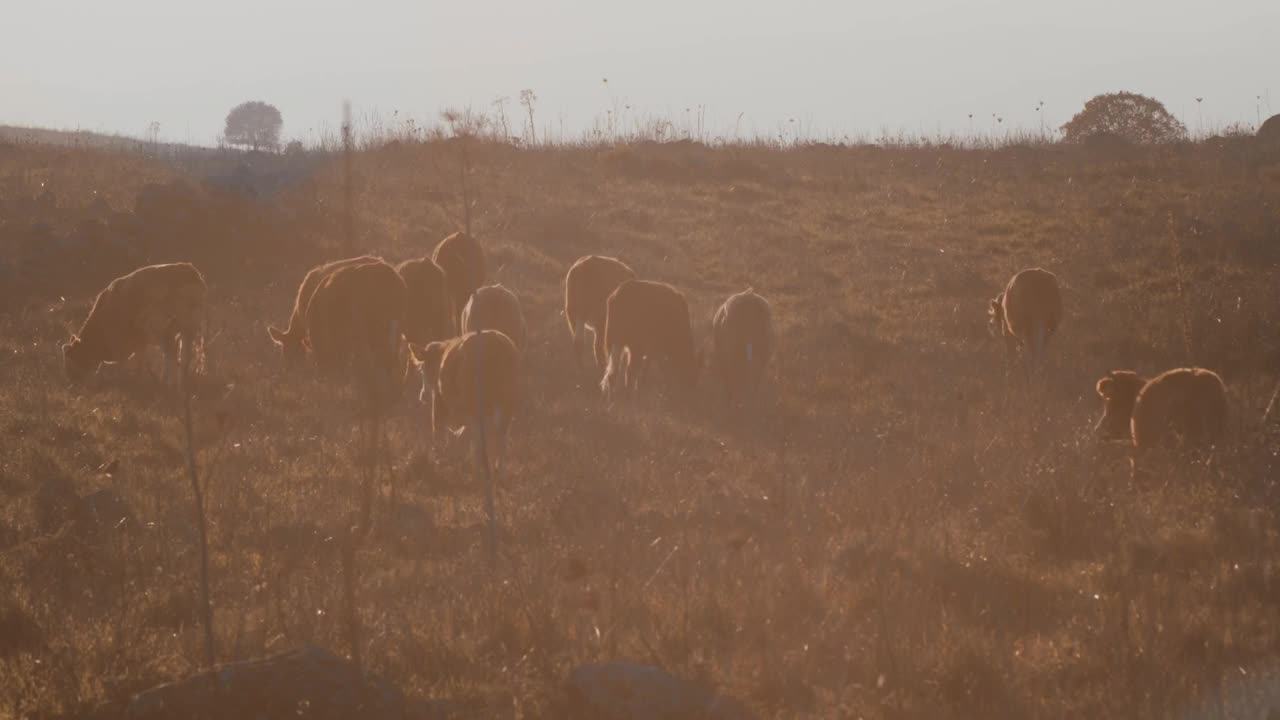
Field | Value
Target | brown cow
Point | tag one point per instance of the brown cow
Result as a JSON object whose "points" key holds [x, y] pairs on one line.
{"points": [[293, 341], [354, 324], [462, 260], [155, 305], [1187, 404], [427, 314], [472, 379], [742, 333], [646, 320], [494, 307], [587, 286], [1027, 312]]}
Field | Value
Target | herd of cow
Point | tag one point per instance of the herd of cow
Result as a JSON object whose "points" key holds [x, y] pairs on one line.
{"points": [[356, 317]]}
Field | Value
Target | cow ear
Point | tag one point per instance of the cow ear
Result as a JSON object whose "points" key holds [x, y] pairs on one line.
{"points": [[277, 336], [994, 309], [1106, 386], [418, 354]]}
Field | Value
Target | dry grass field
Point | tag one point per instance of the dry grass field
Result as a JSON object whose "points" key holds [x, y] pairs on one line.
{"points": [[909, 530]]}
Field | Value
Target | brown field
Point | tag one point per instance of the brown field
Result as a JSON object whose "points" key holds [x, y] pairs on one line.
{"points": [[910, 531]]}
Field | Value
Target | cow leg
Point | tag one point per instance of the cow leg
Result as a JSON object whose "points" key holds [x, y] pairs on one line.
{"points": [[628, 368], [610, 368], [501, 421], [188, 354], [597, 346], [169, 349], [577, 329], [481, 441], [438, 419], [637, 368]]}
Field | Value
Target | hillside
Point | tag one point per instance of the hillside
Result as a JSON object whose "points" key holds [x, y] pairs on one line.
{"points": [[910, 529]]}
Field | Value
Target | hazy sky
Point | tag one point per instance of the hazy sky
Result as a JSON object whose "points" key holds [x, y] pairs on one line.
{"points": [[835, 67]]}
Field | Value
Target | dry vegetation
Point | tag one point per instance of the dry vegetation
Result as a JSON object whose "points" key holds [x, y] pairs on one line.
{"points": [[911, 531]]}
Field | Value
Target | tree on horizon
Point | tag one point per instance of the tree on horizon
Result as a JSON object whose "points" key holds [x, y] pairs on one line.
{"points": [[254, 124], [1136, 118]]}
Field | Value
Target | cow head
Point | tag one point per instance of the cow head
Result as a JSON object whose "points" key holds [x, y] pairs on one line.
{"points": [[75, 359], [995, 316], [292, 348], [428, 360], [1119, 391]]}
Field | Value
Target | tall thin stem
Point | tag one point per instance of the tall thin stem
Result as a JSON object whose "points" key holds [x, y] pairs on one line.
{"points": [[193, 473]]}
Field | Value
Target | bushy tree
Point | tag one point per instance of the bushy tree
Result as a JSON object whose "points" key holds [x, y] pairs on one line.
{"points": [[1135, 118], [254, 124]]}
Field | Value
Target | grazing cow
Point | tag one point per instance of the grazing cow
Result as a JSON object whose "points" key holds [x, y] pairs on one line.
{"points": [[1186, 404], [494, 307], [293, 341], [1027, 313], [473, 379], [155, 305], [742, 332], [462, 260], [354, 323], [587, 287], [646, 320], [427, 314]]}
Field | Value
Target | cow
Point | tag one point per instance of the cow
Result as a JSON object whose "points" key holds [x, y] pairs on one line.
{"points": [[1187, 405], [471, 380], [743, 343], [494, 307], [154, 305], [293, 341], [427, 313], [462, 260], [354, 323], [1027, 313], [644, 320], [587, 286]]}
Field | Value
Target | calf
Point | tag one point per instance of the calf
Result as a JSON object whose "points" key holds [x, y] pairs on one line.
{"points": [[1187, 405], [494, 307], [293, 341], [1027, 313], [462, 260], [587, 286], [470, 380], [155, 305], [354, 323], [646, 320], [742, 333]]}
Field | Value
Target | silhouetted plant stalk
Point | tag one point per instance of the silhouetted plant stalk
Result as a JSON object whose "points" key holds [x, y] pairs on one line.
{"points": [[371, 455], [348, 158], [199, 484]]}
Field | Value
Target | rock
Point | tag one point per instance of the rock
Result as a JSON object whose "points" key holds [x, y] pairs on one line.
{"points": [[627, 691], [308, 683]]}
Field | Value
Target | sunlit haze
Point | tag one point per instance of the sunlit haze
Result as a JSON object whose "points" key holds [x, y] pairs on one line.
{"points": [[821, 69]]}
